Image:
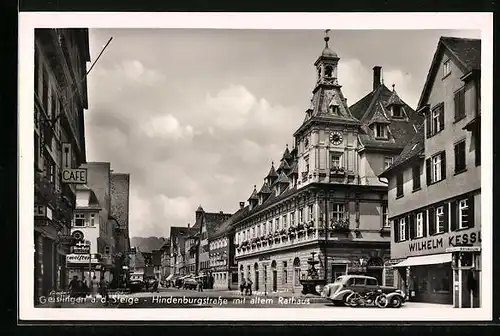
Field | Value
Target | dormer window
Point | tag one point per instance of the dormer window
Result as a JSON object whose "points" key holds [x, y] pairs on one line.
{"points": [[381, 131], [397, 111]]}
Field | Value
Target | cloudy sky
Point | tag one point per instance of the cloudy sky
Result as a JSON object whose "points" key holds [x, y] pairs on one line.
{"points": [[197, 116]]}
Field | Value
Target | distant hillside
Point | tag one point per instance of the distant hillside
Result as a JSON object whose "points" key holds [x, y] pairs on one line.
{"points": [[147, 244]]}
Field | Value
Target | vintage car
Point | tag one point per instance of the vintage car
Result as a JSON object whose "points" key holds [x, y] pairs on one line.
{"points": [[190, 283], [136, 282], [339, 291]]}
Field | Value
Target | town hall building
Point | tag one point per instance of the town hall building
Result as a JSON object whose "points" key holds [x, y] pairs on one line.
{"points": [[324, 199]]}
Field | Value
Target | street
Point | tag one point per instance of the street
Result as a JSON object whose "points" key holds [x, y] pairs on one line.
{"points": [[180, 298]]}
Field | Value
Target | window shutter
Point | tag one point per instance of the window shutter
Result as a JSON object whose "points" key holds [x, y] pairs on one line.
{"points": [[454, 217], [456, 101], [407, 228], [428, 124], [470, 211], [428, 171], [432, 221], [441, 118], [412, 226], [443, 165], [424, 223], [446, 217], [395, 223]]}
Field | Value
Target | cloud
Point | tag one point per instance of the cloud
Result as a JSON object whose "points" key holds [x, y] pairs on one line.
{"points": [[167, 127]]}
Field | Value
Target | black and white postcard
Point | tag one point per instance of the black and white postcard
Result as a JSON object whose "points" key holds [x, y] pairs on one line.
{"points": [[275, 167]]}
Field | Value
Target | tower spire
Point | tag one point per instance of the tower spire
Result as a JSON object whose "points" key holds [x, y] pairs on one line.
{"points": [[327, 38]]}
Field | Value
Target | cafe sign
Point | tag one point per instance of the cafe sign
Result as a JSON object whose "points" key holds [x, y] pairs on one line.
{"points": [[80, 249], [440, 243]]}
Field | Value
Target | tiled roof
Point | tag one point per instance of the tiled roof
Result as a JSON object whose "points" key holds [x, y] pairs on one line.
{"points": [[286, 154], [400, 130], [414, 147], [467, 51], [272, 172], [284, 165], [178, 231], [283, 178], [265, 189], [394, 99], [359, 108], [227, 225], [294, 170], [254, 195], [214, 220]]}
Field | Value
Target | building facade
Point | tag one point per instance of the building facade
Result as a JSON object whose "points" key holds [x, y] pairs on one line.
{"points": [[435, 185], [60, 95], [178, 235], [85, 259], [166, 270], [324, 200], [223, 266]]}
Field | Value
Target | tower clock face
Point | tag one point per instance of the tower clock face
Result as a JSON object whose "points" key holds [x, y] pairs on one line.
{"points": [[336, 138]]}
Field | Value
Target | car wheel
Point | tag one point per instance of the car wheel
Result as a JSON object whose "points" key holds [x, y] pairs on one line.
{"points": [[396, 302]]}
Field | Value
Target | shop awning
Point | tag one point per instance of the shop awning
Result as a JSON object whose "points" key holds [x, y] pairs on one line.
{"points": [[425, 260], [169, 277]]}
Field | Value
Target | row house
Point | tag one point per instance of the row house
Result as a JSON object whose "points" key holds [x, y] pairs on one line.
{"points": [[435, 184], [325, 200], [60, 98], [165, 268], [178, 236], [156, 258], [222, 250]]}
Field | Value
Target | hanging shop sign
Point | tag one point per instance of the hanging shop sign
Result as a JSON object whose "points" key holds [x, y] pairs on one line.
{"points": [[74, 176], [81, 259], [80, 249]]}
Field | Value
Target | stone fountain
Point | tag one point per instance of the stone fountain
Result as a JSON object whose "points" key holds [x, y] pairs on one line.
{"points": [[312, 280]]}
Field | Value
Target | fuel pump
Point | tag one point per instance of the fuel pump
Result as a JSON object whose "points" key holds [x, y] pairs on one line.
{"points": [[465, 273]]}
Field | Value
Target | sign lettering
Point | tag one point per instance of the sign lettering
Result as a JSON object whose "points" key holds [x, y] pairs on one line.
{"points": [[74, 176], [450, 241], [80, 259], [80, 249]]}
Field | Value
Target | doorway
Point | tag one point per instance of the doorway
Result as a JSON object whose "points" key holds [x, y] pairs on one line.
{"points": [[275, 276], [338, 270]]}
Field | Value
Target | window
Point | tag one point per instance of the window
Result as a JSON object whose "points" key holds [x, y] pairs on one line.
{"points": [[270, 226], [380, 131], [49, 169], [463, 214], [387, 162], [396, 111], [292, 219], [435, 121], [436, 168], [371, 282], [311, 212], [459, 101], [419, 229], [276, 224], [253, 232], [385, 218], [460, 163], [306, 159], [399, 185], [283, 221], [45, 90], [402, 229], [92, 220], [263, 228], [301, 215], [338, 211], [258, 230], [79, 220], [107, 250], [446, 68], [440, 222], [416, 177], [285, 272], [335, 160], [248, 233]]}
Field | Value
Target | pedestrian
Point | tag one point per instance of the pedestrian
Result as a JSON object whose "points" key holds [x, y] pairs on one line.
{"points": [[103, 290], [84, 288], [242, 286], [200, 285], [94, 286], [74, 287], [249, 286]]}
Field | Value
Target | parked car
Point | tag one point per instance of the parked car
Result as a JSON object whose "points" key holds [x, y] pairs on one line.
{"points": [[345, 285], [136, 282], [190, 283]]}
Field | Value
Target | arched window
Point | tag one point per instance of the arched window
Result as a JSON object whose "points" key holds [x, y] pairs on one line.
{"points": [[285, 272], [328, 71]]}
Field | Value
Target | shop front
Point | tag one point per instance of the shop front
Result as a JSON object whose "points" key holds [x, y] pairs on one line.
{"points": [[84, 266], [443, 269]]}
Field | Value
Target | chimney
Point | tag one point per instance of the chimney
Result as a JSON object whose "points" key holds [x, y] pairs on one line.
{"points": [[377, 76], [242, 205], [189, 225]]}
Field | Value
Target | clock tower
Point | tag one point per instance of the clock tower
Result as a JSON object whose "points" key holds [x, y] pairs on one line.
{"points": [[327, 139]]}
